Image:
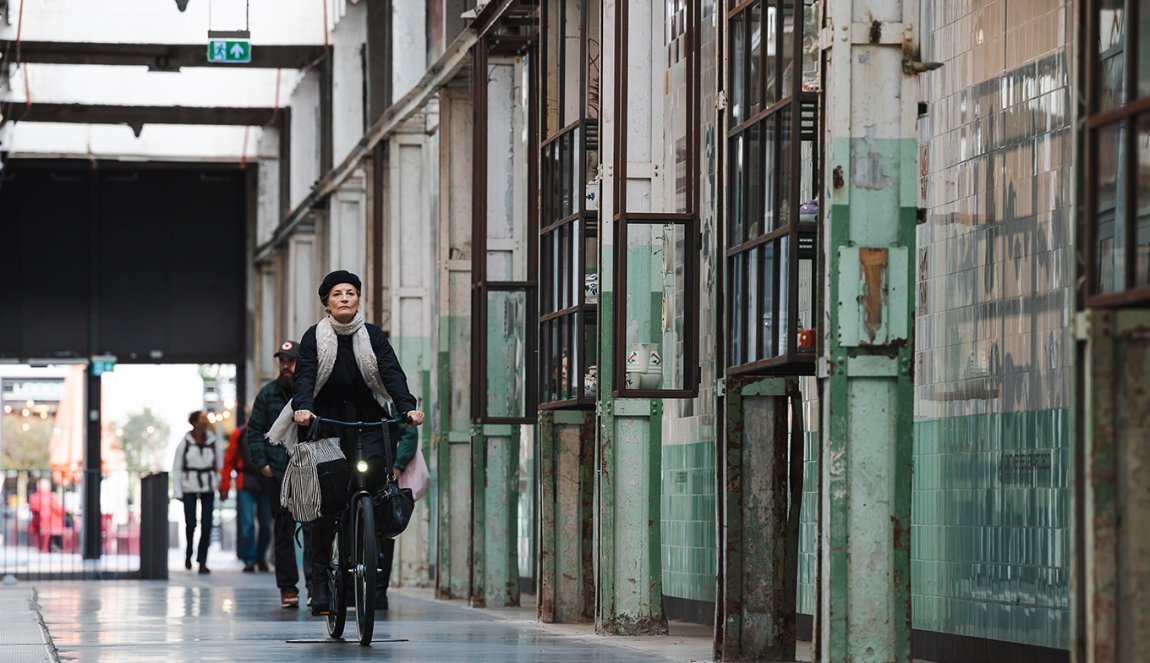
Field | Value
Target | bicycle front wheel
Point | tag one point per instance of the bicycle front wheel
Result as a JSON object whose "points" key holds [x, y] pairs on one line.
{"points": [[337, 583], [366, 561]]}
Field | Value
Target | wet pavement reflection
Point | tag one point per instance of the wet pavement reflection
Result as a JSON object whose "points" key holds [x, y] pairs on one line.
{"points": [[232, 616]]}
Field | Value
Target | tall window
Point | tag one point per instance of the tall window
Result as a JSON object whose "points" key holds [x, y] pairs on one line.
{"points": [[569, 218], [503, 298], [772, 187], [656, 229], [1118, 153]]}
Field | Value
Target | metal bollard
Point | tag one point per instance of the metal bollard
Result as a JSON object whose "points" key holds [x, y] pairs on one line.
{"points": [[154, 526]]}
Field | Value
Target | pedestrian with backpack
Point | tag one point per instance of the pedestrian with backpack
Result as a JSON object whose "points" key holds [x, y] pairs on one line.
{"points": [[195, 478]]}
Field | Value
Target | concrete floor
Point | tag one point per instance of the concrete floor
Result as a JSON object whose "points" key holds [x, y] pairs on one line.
{"points": [[231, 616]]}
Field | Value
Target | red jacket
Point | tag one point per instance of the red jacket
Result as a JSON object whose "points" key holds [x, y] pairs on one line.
{"points": [[233, 462]]}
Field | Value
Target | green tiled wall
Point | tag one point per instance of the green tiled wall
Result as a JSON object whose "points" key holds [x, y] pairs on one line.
{"points": [[990, 519], [688, 523], [990, 538], [808, 527]]}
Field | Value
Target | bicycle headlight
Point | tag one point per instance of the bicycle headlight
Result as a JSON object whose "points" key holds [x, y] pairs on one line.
{"points": [[361, 466]]}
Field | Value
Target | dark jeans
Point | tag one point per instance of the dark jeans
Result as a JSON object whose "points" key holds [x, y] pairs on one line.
{"points": [[252, 508], [207, 503]]}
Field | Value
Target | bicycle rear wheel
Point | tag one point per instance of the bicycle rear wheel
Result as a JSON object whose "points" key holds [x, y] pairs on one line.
{"points": [[366, 561], [337, 583]]}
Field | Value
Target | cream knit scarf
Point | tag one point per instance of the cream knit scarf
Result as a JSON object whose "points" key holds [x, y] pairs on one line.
{"points": [[284, 431]]}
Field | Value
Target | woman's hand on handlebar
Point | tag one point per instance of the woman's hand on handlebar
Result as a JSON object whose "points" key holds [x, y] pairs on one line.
{"points": [[302, 417], [415, 417]]}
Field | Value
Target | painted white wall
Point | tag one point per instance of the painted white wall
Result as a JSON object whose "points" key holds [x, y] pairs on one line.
{"points": [[347, 229], [409, 46], [161, 142], [305, 136], [160, 22], [118, 85], [348, 39], [268, 212]]}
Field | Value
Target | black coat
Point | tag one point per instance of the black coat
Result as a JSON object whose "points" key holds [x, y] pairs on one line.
{"points": [[345, 395]]}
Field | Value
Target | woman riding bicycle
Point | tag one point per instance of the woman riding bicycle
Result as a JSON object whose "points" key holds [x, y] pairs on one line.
{"points": [[346, 370]]}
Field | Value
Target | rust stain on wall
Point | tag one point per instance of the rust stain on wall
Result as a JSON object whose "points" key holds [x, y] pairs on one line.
{"points": [[874, 263]]}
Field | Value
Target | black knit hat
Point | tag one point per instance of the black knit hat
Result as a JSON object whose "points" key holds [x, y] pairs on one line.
{"points": [[335, 278]]}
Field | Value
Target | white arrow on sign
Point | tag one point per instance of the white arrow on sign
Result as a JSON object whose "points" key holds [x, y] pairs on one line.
{"points": [[237, 50]]}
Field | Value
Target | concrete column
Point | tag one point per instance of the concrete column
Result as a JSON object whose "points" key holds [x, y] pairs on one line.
{"points": [[1111, 582], [452, 465], [411, 241], [494, 516], [629, 460], [567, 469], [758, 610], [870, 180]]}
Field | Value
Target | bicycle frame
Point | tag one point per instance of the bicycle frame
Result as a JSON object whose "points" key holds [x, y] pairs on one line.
{"points": [[356, 552]]}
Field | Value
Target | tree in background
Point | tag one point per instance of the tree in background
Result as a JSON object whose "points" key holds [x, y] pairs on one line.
{"points": [[144, 437], [25, 443]]}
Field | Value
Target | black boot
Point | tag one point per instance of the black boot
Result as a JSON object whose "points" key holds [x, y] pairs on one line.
{"points": [[320, 598]]}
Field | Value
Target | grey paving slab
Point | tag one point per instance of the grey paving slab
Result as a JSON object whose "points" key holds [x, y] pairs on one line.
{"points": [[231, 616], [23, 638]]}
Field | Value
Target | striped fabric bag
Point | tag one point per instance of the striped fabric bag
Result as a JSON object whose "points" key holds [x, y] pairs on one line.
{"points": [[316, 480]]}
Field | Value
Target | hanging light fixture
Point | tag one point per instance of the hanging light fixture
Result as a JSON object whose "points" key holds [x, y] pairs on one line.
{"points": [[181, 5]]}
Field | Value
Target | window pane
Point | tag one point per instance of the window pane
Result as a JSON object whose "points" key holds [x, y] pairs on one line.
{"points": [[572, 76], [786, 167], [762, 267], [593, 59], [756, 185], [774, 61], [553, 55], [590, 267], [506, 353], [754, 282], [1109, 237], [736, 188], [782, 295], [772, 171], [1111, 53], [754, 73], [787, 51], [810, 47], [738, 82], [656, 306], [737, 304], [1142, 229]]}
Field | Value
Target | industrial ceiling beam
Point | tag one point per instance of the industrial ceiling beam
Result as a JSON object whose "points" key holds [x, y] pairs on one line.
{"points": [[156, 57], [134, 116]]}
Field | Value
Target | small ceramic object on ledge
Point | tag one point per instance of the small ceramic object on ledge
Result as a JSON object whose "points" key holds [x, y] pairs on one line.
{"points": [[591, 288], [591, 381], [809, 212]]}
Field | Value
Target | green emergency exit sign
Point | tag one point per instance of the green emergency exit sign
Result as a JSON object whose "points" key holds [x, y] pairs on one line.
{"points": [[103, 364], [235, 51]]}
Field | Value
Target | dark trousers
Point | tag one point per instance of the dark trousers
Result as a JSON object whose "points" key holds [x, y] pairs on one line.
{"points": [[287, 571], [207, 503], [323, 533]]}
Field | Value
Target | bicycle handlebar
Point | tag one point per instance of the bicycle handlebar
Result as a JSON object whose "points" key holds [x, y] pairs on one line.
{"points": [[381, 422]]}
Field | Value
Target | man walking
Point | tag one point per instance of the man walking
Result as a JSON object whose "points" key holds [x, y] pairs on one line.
{"points": [[271, 460]]}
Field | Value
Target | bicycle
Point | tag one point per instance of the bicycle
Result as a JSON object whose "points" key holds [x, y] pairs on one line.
{"points": [[355, 548]]}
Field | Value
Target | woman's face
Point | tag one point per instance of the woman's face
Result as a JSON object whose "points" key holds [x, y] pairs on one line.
{"points": [[343, 302]]}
